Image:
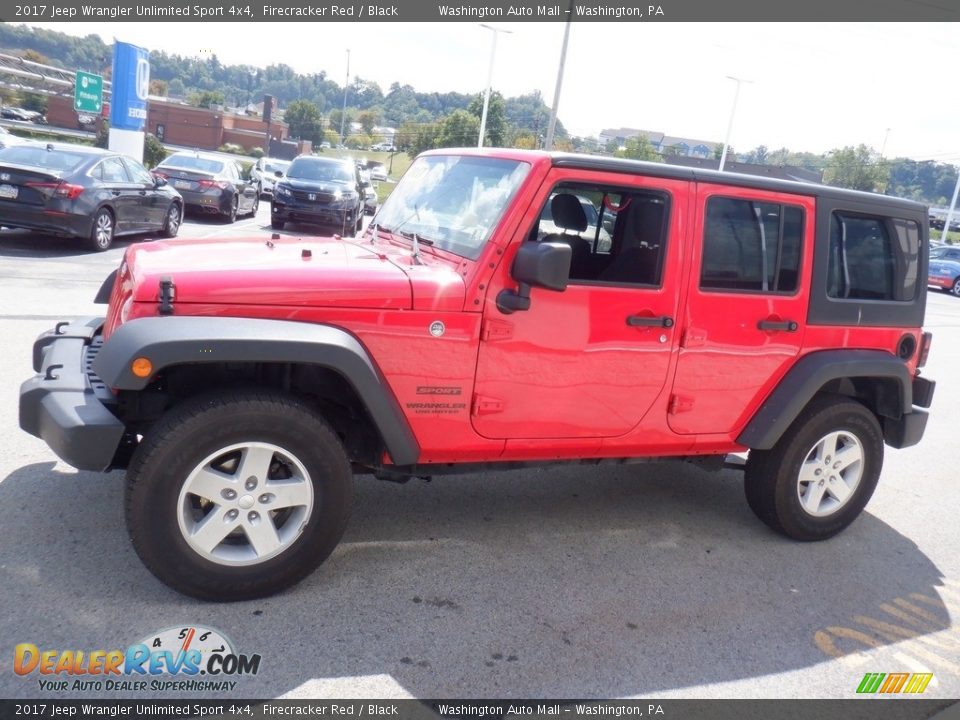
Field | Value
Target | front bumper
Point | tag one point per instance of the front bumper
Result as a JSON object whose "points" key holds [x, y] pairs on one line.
{"points": [[66, 405], [941, 281]]}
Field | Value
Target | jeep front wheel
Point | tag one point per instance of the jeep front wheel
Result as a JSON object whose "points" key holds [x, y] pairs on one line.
{"points": [[237, 495], [820, 475]]}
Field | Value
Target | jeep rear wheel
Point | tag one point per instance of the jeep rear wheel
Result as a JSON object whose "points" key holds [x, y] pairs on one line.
{"points": [[237, 495], [820, 475]]}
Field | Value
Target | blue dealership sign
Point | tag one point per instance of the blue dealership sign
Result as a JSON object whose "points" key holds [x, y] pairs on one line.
{"points": [[130, 86]]}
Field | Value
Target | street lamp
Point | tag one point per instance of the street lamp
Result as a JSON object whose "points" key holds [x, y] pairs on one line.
{"points": [[733, 111], [343, 113], [883, 148], [548, 143], [486, 95]]}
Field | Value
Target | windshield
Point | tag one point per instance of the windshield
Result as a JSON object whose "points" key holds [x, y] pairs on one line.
{"points": [[275, 165], [317, 169], [193, 162], [453, 202]]}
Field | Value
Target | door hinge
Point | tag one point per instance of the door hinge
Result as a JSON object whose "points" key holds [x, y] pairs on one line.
{"points": [[680, 404], [486, 405], [496, 330]]}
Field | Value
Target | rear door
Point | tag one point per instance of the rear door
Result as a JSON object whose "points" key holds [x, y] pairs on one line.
{"points": [[122, 194], [152, 203], [590, 361], [746, 310]]}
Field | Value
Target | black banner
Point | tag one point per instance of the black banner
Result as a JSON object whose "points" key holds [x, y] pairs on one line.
{"points": [[913, 709], [474, 11]]}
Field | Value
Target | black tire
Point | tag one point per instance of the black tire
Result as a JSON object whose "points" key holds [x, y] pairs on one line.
{"points": [[189, 435], [350, 228], [772, 477], [230, 217], [102, 230], [359, 220], [256, 205], [277, 224], [171, 225]]}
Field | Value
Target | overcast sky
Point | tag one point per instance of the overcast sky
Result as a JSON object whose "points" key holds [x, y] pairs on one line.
{"points": [[814, 86]]}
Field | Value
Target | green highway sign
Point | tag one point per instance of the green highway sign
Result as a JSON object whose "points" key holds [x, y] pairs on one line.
{"points": [[88, 93]]}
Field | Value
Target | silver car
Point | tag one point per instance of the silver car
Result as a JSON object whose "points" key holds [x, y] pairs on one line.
{"points": [[265, 173]]}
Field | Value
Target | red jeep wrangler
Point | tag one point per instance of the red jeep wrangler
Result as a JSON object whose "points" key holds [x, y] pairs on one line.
{"points": [[504, 308]]}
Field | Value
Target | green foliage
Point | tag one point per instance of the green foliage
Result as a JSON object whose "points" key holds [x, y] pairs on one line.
{"points": [[34, 101], [639, 148], [9, 96], [856, 168], [206, 98], [495, 133], [459, 129], [256, 152], [232, 148], [368, 119], [103, 134], [153, 151], [304, 120]]}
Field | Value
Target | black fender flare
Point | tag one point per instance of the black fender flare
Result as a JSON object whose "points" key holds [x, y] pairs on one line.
{"points": [[168, 341], [808, 375]]}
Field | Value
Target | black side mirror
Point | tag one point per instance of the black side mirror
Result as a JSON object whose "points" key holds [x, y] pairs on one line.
{"points": [[159, 181], [364, 184], [544, 265], [278, 173]]}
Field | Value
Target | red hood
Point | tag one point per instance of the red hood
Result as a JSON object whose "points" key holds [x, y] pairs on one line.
{"points": [[314, 272]]}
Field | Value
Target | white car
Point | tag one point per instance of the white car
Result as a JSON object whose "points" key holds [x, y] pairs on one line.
{"points": [[378, 172], [604, 239], [7, 138], [265, 173]]}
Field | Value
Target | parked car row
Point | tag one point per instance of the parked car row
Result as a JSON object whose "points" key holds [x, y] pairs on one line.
{"points": [[15, 113]]}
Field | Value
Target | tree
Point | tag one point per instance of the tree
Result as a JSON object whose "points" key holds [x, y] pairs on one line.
{"points": [[158, 88], [304, 120], [458, 129], [153, 151], [368, 119], [495, 131], [206, 99], [639, 148], [855, 168]]}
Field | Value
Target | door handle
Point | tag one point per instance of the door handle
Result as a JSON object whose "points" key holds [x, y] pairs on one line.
{"points": [[785, 325], [643, 321], [115, 193]]}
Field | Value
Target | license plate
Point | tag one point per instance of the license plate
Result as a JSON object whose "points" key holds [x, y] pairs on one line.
{"points": [[9, 192], [182, 184]]}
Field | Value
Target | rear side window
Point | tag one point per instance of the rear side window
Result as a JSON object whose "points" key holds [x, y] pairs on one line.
{"points": [[872, 258], [751, 246]]}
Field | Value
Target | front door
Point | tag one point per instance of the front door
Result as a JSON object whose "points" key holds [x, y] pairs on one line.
{"points": [[746, 308], [587, 362]]}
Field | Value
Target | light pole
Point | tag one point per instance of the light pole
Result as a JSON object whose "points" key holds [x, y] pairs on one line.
{"points": [[486, 95], [343, 113], [548, 143], [733, 111], [883, 148]]}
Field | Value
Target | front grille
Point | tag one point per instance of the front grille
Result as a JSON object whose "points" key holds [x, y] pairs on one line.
{"points": [[319, 197], [89, 355]]}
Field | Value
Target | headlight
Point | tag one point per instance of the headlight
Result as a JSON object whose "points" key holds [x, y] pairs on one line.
{"points": [[282, 191]]}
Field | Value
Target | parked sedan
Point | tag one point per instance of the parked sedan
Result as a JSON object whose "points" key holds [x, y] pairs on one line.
{"points": [[84, 192], [211, 184], [945, 274], [322, 191], [265, 173]]}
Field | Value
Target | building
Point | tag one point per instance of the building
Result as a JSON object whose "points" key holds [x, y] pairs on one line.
{"points": [[663, 144]]}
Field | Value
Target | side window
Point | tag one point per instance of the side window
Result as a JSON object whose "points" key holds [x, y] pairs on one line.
{"points": [[138, 172], [751, 245], [112, 171], [617, 235], [872, 258]]}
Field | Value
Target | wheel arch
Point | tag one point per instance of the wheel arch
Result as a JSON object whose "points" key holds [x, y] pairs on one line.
{"points": [[311, 354], [876, 378]]}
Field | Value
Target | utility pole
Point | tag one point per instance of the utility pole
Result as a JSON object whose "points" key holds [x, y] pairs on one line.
{"points": [[486, 94], [548, 143], [733, 111], [343, 114]]}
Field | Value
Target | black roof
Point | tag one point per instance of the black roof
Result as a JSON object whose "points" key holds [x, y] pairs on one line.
{"points": [[676, 172]]}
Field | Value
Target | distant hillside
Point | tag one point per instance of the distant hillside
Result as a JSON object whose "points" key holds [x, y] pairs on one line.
{"points": [[240, 84]]}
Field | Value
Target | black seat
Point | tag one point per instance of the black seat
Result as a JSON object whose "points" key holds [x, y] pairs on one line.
{"points": [[567, 215]]}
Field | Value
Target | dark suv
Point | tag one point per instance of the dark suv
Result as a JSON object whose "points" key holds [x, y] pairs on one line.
{"points": [[727, 314], [320, 191]]}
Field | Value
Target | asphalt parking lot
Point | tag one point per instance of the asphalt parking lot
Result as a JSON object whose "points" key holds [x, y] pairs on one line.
{"points": [[649, 581]]}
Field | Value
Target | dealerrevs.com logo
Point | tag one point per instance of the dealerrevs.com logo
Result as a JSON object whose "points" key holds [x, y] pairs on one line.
{"points": [[188, 658]]}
